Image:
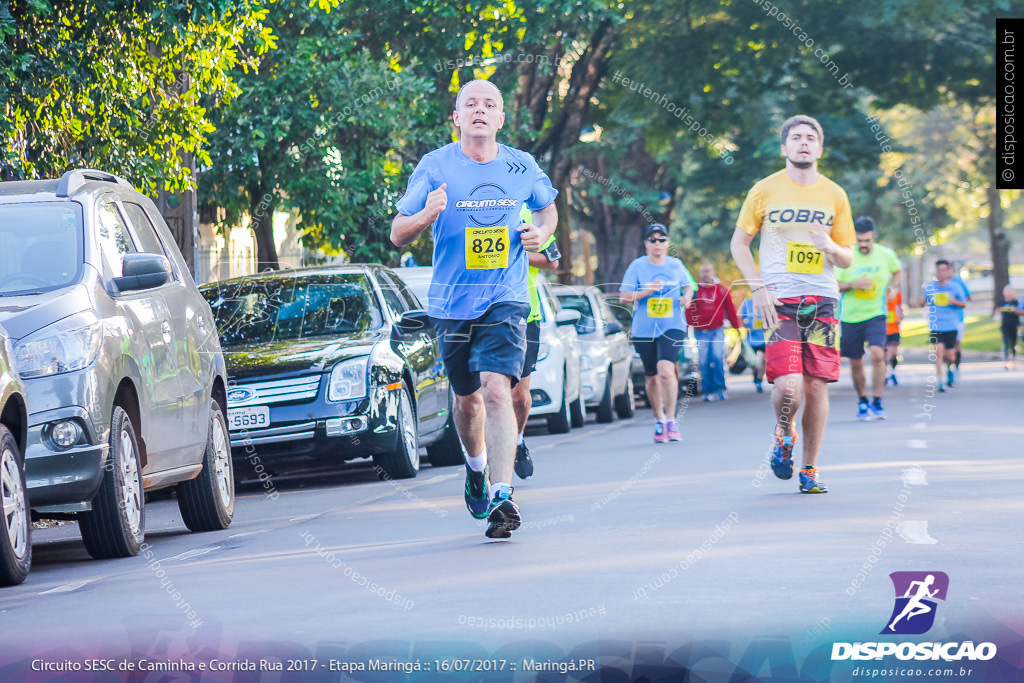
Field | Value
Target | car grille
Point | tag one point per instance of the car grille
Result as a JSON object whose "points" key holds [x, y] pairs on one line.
{"points": [[295, 389]]}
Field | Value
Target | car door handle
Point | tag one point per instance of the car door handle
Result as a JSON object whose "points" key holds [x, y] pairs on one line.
{"points": [[165, 329]]}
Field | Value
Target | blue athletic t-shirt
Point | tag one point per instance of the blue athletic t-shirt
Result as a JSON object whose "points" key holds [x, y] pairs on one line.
{"points": [[754, 323], [966, 295], [656, 314], [941, 316], [479, 258]]}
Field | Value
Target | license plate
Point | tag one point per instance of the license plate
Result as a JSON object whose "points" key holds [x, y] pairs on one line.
{"points": [[250, 417]]}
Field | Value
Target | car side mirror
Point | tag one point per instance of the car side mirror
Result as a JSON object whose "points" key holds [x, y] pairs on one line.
{"points": [[612, 328], [414, 321], [567, 317], [143, 271]]}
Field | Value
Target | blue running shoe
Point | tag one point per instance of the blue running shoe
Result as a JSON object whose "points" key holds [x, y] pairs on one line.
{"points": [[877, 411], [476, 492], [862, 411], [809, 482], [503, 517], [949, 377], [782, 455]]}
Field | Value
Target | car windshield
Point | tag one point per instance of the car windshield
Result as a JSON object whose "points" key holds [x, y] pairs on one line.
{"points": [[254, 311], [623, 312], [579, 302], [40, 246]]}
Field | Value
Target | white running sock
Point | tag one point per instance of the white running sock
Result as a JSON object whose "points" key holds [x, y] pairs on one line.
{"points": [[478, 463], [521, 439]]}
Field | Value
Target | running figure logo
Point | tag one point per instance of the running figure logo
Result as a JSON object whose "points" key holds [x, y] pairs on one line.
{"points": [[916, 595]]}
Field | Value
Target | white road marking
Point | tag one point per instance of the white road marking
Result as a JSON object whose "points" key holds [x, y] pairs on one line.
{"points": [[68, 587], [195, 552], [917, 443], [915, 531], [915, 476], [249, 533], [442, 477], [303, 518]]}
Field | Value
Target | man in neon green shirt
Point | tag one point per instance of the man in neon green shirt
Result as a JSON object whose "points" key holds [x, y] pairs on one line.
{"points": [[864, 286], [522, 401]]}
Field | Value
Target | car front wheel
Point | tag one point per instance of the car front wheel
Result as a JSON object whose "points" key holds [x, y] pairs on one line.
{"points": [[625, 403], [207, 503], [561, 422], [605, 409], [404, 462], [15, 537], [116, 525]]}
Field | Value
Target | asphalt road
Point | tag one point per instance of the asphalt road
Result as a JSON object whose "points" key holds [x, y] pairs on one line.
{"points": [[645, 548]]}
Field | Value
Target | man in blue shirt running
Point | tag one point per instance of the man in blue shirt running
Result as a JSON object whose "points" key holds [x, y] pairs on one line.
{"points": [[472, 192], [946, 301]]}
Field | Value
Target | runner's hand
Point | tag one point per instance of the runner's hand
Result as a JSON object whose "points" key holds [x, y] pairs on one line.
{"points": [[822, 242], [654, 287], [530, 235], [764, 305], [864, 283], [436, 202]]}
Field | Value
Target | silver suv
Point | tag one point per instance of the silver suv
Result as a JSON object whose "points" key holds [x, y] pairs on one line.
{"points": [[120, 360]]}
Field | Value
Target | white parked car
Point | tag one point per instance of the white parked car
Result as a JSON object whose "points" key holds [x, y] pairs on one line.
{"points": [[607, 383], [555, 385]]}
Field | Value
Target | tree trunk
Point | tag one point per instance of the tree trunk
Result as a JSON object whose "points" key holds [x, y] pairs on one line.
{"points": [[261, 211], [999, 244]]}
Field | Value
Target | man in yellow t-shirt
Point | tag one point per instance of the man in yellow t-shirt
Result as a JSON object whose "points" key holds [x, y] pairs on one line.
{"points": [[806, 229]]}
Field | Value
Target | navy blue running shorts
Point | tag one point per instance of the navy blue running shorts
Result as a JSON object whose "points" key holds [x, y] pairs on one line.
{"points": [[494, 342]]}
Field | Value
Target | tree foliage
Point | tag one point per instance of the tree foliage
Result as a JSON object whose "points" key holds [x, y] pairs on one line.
{"points": [[122, 86]]}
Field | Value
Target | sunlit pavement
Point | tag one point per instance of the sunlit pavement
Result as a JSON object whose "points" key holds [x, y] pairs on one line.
{"points": [[622, 538]]}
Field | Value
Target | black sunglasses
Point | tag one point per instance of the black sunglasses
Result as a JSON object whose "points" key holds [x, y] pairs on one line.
{"points": [[657, 240]]}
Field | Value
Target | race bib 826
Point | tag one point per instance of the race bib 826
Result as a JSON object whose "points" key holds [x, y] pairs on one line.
{"points": [[487, 248]]}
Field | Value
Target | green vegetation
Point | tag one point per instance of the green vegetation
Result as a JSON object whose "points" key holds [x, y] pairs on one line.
{"points": [[639, 110], [982, 333]]}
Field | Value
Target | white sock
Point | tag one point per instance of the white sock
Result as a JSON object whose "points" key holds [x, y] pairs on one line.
{"points": [[496, 486], [478, 463], [521, 438]]}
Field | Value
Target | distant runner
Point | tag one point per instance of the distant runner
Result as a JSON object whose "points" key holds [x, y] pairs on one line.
{"points": [[806, 232], [864, 286], [755, 337], [946, 301], [1010, 314], [893, 318], [472, 191], [660, 287]]}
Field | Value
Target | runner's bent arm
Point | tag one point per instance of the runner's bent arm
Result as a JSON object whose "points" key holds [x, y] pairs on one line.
{"points": [[841, 257], [764, 301], [540, 261], [405, 229], [535, 234]]}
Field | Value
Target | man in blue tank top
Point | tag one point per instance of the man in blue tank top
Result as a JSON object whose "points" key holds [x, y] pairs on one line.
{"points": [[471, 192]]}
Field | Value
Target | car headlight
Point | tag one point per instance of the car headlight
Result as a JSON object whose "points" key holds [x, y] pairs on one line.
{"points": [[348, 380], [66, 346], [543, 350]]}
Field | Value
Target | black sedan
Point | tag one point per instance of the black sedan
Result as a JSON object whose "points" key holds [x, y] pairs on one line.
{"points": [[332, 364]]}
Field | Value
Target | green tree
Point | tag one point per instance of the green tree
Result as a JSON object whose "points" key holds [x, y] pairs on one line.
{"points": [[125, 87]]}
